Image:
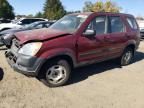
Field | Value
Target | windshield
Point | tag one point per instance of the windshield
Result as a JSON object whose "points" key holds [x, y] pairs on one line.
{"points": [[69, 23], [30, 26]]}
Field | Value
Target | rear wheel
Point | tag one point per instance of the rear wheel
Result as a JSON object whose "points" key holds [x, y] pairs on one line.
{"points": [[127, 57], [56, 73]]}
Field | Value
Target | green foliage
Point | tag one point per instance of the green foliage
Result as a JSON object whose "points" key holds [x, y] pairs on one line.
{"points": [[53, 9], [6, 10], [39, 15], [111, 7], [99, 6], [88, 6]]}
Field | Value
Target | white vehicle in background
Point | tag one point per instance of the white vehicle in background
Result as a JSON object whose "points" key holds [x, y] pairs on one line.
{"points": [[20, 23], [6, 26], [141, 25]]}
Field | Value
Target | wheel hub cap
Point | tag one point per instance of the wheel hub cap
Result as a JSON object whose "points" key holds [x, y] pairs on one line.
{"points": [[127, 57], [56, 74]]}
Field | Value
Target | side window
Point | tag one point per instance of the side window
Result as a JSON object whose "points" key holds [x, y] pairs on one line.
{"points": [[25, 21], [116, 25], [132, 23], [41, 20], [47, 25], [39, 26], [33, 20], [90, 26], [100, 25]]}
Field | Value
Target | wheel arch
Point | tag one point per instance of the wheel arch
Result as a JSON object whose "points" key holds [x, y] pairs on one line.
{"points": [[66, 57], [133, 46]]}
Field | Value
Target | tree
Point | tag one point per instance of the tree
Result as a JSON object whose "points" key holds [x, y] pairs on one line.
{"points": [[111, 7], [53, 9], [6, 10], [88, 6], [71, 12], [30, 16], [39, 15], [100, 6]]}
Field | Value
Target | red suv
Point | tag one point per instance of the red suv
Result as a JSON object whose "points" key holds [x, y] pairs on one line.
{"points": [[73, 41]]}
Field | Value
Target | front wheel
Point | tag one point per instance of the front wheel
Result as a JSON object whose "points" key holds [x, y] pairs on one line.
{"points": [[127, 57], [57, 73]]}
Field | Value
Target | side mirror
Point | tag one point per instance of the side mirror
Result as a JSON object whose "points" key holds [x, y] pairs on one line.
{"points": [[89, 33]]}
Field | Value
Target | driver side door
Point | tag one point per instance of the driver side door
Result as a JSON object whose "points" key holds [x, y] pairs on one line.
{"points": [[94, 48]]}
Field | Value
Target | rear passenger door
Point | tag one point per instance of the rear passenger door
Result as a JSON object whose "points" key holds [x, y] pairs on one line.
{"points": [[117, 38]]}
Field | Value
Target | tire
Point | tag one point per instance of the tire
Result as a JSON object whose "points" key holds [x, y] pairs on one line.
{"points": [[56, 73], [126, 57]]}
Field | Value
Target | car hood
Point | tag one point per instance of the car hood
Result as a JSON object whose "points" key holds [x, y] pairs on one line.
{"points": [[39, 35]]}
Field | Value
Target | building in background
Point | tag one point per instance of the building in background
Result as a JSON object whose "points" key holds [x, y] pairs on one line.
{"points": [[141, 24]]}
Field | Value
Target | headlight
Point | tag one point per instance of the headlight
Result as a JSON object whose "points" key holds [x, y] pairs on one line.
{"points": [[30, 49]]}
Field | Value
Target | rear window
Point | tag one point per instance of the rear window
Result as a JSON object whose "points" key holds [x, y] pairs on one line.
{"points": [[132, 23]]}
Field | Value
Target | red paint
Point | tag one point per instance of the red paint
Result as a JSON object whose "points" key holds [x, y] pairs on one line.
{"points": [[76, 44]]}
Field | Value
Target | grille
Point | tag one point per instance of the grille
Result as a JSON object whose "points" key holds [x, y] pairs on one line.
{"points": [[12, 53], [11, 57], [15, 45]]}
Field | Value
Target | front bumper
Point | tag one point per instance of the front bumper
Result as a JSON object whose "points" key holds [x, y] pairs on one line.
{"points": [[24, 64]]}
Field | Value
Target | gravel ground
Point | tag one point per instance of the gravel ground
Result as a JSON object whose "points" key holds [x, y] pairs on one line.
{"points": [[103, 85]]}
